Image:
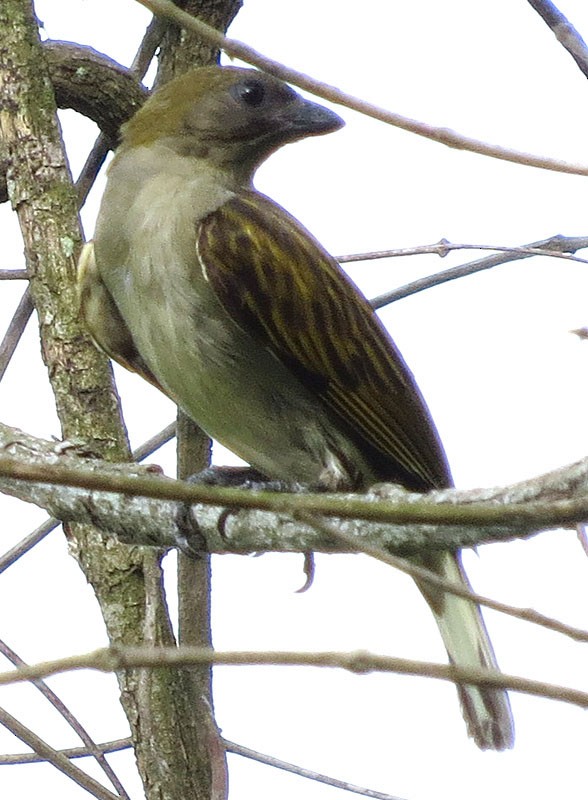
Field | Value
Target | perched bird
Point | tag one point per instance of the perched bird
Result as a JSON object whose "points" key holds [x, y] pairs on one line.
{"points": [[215, 294]]}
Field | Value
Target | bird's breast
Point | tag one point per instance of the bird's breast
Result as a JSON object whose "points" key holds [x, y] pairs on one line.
{"points": [[234, 387]]}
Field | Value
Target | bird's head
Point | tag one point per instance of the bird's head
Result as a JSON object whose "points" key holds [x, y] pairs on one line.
{"points": [[232, 117]]}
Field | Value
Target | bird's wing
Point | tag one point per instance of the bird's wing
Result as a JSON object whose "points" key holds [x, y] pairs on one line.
{"points": [[277, 282], [103, 319]]}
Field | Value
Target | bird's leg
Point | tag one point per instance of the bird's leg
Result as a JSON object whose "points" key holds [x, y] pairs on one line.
{"points": [[227, 476], [237, 477]]}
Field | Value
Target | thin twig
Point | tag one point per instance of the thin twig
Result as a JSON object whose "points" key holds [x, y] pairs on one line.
{"points": [[427, 576], [271, 761], [232, 747], [103, 143], [92, 166], [70, 752], [167, 9], [54, 757], [360, 662], [14, 275], [443, 247], [154, 443], [564, 32], [72, 721], [28, 542], [15, 330], [148, 47], [555, 243]]}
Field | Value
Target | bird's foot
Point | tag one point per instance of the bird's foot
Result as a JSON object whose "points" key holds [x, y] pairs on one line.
{"points": [[191, 541]]}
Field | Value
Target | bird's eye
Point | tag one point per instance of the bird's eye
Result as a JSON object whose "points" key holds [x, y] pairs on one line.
{"points": [[252, 93]]}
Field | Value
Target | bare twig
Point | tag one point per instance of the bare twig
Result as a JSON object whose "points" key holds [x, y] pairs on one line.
{"points": [[231, 747], [54, 757], [103, 143], [559, 244], [153, 444], [14, 275], [15, 330], [426, 576], [74, 723], [271, 761], [564, 32], [27, 543], [565, 244], [360, 662], [166, 9], [70, 752]]}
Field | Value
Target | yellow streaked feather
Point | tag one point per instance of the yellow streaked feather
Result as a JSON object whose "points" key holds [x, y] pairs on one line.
{"points": [[268, 271]]}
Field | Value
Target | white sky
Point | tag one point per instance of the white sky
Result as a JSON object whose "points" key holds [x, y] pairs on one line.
{"points": [[505, 380]]}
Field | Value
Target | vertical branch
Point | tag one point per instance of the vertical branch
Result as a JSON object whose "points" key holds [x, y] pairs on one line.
{"points": [[194, 574], [194, 606], [172, 752], [182, 49]]}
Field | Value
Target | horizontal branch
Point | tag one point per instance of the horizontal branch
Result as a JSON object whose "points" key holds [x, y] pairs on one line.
{"points": [[557, 246], [360, 662], [142, 507], [560, 246], [9, 759]]}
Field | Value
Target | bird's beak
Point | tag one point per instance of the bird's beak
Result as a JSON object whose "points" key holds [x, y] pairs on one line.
{"points": [[306, 118]]}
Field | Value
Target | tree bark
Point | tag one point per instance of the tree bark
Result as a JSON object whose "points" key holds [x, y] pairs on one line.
{"points": [[175, 753]]}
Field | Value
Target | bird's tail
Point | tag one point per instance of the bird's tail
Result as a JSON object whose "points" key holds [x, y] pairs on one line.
{"points": [[486, 710]]}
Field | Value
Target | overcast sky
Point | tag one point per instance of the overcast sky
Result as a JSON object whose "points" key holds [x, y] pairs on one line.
{"points": [[504, 378]]}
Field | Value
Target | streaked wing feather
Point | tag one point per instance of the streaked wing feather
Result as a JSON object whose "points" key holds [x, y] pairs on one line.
{"points": [[278, 283]]}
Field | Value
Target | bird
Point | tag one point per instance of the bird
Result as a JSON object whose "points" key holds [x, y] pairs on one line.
{"points": [[219, 297]]}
